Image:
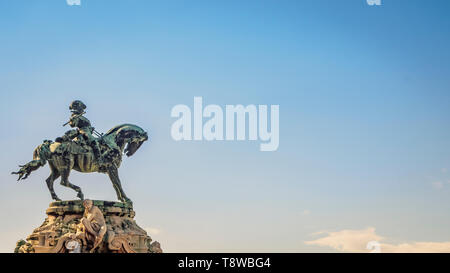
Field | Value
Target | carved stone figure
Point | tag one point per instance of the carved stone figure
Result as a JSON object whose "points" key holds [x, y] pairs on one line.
{"points": [[155, 247], [66, 230], [94, 225], [79, 150]]}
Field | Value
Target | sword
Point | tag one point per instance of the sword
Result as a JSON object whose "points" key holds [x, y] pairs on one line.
{"points": [[77, 115], [99, 135]]}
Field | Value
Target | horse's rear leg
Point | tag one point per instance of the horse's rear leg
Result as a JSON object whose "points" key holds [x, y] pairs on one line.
{"points": [[65, 182], [53, 176]]}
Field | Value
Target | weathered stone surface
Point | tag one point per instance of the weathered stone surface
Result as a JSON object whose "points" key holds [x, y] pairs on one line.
{"points": [[63, 219]]}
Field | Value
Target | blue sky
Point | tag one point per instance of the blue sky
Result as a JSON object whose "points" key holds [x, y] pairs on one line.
{"points": [[364, 113]]}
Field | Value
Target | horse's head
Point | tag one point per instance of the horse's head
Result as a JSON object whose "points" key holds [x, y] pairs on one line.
{"points": [[135, 143], [128, 137]]}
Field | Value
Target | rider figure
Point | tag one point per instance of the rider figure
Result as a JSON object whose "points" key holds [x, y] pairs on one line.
{"points": [[77, 120]]}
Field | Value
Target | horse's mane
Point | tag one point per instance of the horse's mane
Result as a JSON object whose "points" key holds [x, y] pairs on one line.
{"points": [[125, 126]]}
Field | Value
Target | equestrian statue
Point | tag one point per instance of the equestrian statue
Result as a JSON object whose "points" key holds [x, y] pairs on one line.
{"points": [[78, 149]]}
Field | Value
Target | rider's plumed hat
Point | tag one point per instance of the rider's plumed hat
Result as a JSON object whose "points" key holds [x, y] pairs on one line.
{"points": [[77, 107]]}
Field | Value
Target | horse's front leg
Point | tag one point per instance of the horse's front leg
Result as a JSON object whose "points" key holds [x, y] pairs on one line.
{"points": [[114, 176]]}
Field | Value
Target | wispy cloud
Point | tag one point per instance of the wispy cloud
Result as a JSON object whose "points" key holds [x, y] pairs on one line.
{"points": [[347, 240], [153, 231], [417, 247], [437, 185], [306, 212], [356, 241]]}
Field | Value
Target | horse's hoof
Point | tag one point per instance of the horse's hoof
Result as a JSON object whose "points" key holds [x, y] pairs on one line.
{"points": [[56, 199]]}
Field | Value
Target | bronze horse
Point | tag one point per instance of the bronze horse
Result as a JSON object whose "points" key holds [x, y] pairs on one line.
{"points": [[67, 156]]}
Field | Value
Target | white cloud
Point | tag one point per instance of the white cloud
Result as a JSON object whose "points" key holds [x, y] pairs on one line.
{"points": [[417, 247], [153, 231], [357, 240], [306, 212], [437, 185], [347, 240]]}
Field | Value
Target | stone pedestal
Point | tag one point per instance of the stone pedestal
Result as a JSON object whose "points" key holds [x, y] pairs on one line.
{"points": [[55, 235]]}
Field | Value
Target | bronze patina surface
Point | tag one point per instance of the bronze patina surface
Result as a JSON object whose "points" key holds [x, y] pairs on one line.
{"points": [[79, 150]]}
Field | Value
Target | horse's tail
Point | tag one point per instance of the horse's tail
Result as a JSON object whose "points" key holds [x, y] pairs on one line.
{"points": [[40, 156]]}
